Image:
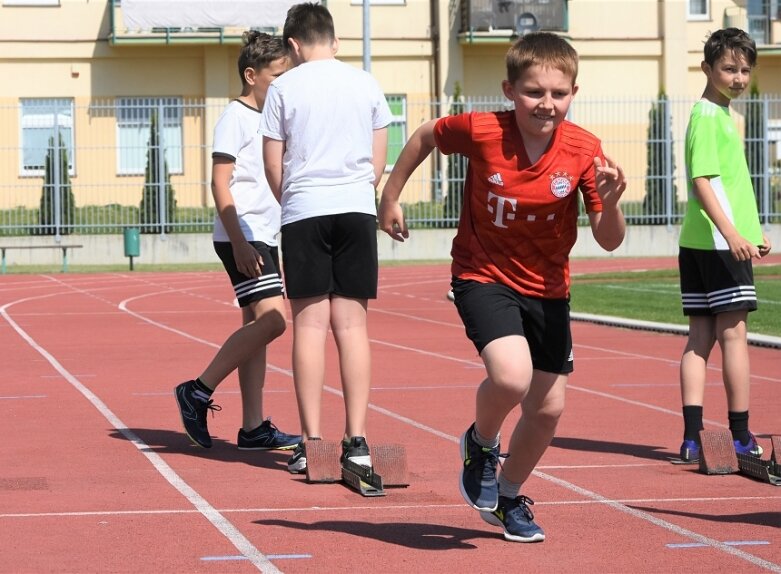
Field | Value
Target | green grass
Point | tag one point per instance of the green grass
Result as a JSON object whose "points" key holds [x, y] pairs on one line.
{"points": [[655, 296]]}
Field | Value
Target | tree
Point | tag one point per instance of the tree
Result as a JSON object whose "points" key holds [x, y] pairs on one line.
{"points": [[56, 193], [660, 164], [456, 171], [754, 139], [154, 185]]}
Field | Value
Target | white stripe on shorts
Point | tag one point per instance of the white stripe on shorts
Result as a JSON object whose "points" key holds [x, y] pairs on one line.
{"points": [[719, 298], [262, 283]]}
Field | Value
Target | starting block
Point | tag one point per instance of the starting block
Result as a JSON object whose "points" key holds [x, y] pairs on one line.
{"points": [[717, 453], [765, 470], [389, 462]]}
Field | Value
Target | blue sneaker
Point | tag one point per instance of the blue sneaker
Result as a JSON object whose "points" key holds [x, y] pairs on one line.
{"points": [[690, 451], [266, 437], [478, 475], [516, 518], [751, 448]]}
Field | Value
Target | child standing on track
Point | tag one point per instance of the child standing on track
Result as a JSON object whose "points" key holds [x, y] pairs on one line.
{"points": [[325, 142], [245, 239], [720, 236], [510, 260]]}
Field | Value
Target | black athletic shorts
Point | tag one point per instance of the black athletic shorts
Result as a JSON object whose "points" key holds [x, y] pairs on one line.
{"points": [[331, 254], [713, 282], [490, 311], [249, 289]]}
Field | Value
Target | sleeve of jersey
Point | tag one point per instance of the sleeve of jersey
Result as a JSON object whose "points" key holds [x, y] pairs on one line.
{"points": [[271, 124], [453, 134], [382, 114], [227, 137], [703, 149], [588, 181]]}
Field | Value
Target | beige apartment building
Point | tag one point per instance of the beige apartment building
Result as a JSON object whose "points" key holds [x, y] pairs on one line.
{"points": [[95, 72]]}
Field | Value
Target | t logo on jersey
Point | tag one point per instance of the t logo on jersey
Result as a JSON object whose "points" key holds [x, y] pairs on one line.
{"points": [[497, 207]]}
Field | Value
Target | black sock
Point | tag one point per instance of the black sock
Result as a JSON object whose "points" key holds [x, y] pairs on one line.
{"points": [[692, 422], [201, 391], [738, 424]]}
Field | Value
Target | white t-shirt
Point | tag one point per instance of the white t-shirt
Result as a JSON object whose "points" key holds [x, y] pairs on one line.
{"points": [[326, 112], [237, 137]]}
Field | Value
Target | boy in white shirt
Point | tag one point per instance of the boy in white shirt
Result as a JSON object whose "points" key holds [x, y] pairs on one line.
{"points": [[245, 238], [324, 147]]}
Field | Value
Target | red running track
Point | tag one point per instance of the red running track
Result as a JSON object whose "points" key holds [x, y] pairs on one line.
{"points": [[97, 475]]}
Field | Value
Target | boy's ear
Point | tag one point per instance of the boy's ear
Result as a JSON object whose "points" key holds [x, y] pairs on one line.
{"points": [[705, 67], [249, 76], [507, 90], [575, 89], [335, 46]]}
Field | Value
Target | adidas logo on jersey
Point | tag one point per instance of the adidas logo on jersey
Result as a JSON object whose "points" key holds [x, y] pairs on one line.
{"points": [[496, 179]]}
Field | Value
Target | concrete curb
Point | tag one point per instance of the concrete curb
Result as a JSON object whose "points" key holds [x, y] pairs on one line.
{"points": [[753, 339]]}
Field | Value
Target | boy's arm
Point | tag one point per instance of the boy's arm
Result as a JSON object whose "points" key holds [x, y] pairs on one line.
{"points": [[741, 249], [608, 226], [248, 261], [379, 153], [389, 214], [273, 152]]}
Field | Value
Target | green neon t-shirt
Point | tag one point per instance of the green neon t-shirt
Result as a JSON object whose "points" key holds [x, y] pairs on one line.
{"points": [[715, 150]]}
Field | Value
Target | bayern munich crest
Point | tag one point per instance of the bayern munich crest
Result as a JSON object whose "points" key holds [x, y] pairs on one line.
{"points": [[560, 184]]}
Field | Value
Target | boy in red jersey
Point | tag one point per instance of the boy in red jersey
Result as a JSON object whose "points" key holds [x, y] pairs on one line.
{"points": [[510, 260]]}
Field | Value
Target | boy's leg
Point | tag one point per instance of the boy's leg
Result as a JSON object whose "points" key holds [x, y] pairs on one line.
{"points": [[311, 319], [541, 410], [693, 376], [348, 323]]}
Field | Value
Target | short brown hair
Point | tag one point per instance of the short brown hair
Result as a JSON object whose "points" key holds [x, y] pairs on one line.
{"points": [[258, 51], [541, 49], [309, 23], [730, 40]]}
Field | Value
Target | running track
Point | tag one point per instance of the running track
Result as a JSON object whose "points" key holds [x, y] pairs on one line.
{"points": [[96, 475]]}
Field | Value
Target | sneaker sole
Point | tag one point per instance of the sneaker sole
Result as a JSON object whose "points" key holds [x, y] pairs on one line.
{"points": [[184, 426], [288, 447], [462, 442], [494, 521]]}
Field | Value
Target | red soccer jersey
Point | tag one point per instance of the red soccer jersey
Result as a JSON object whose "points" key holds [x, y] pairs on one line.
{"points": [[519, 221]]}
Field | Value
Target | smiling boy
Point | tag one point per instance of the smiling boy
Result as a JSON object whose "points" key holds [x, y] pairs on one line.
{"points": [[510, 260], [720, 236]]}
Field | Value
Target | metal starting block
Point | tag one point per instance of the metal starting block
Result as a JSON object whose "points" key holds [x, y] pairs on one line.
{"points": [[389, 467], [717, 452], [765, 470]]}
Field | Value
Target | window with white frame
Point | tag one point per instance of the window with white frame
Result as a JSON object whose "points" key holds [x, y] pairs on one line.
{"points": [[698, 9], [380, 2], [45, 122], [31, 2], [397, 130], [134, 125]]}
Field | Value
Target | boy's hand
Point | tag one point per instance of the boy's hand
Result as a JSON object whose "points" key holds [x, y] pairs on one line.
{"points": [[248, 260], [610, 180], [390, 218], [741, 248]]}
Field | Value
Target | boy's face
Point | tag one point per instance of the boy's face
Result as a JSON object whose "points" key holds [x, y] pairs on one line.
{"points": [[260, 79], [727, 78], [542, 96]]}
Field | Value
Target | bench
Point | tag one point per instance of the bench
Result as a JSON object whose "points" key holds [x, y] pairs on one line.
{"points": [[64, 248]]}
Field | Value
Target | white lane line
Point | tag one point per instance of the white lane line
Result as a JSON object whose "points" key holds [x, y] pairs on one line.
{"points": [[222, 524], [385, 508]]}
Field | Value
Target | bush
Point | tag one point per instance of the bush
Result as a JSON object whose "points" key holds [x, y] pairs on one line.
{"points": [[661, 163], [56, 190], [150, 216]]}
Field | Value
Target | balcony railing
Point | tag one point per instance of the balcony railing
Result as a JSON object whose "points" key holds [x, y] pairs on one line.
{"points": [[193, 21], [760, 18], [512, 17]]}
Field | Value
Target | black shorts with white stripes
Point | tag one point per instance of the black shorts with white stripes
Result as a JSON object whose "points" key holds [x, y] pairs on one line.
{"points": [[714, 282], [249, 289]]}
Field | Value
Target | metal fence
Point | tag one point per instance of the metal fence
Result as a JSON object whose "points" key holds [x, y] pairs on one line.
{"points": [[90, 167]]}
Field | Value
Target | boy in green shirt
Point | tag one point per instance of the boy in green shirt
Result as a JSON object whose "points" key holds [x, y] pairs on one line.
{"points": [[720, 236]]}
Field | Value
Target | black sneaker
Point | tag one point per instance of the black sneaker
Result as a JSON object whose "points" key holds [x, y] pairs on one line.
{"points": [[193, 412], [478, 476], [266, 437], [296, 464], [516, 518], [356, 450]]}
